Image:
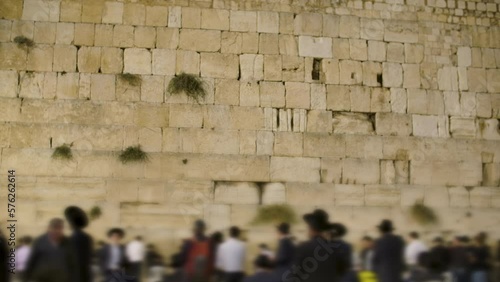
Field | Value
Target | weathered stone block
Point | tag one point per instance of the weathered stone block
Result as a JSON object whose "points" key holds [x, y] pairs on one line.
{"points": [[414, 53], [349, 27], [491, 175], [40, 58], [331, 25], [393, 124], [185, 115], [188, 62], [349, 195], [372, 29], [137, 61], [245, 21], [462, 127], [268, 43], [167, 38], [156, 15], [174, 16], [113, 13], [380, 99], [288, 45], [288, 144], [324, 145], [364, 147], [446, 173], [376, 51], [123, 36], [191, 17], [164, 61], [111, 60], [358, 171], [144, 37], [215, 19], [401, 31], [8, 83], [395, 53], [315, 47], [84, 34], [308, 24], [103, 87], [89, 59], [382, 195], [200, 40], [299, 194], [45, 33], [249, 94], [152, 88], [351, 72], [338, 98], [267, 22], [426, 126], [297, 95], [464, 55], [319, 121], [134, 14], [493, 80], [65, 33], [295, 169], [219, 65], [272, 94], [67, 86], [249, 42], [393, 74], [231, 42], [251, 67], [227, 92], [272, 67], [352, 123], [39, 10], [448, 79], [65, 58]]}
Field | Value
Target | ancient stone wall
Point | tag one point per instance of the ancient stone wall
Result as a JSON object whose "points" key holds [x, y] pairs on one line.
{"points": [[362, 108]]}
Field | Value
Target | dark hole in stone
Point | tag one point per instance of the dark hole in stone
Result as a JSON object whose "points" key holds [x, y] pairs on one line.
{"points": [[316, 69], [379, 78], [353, 75], [184, 161]]}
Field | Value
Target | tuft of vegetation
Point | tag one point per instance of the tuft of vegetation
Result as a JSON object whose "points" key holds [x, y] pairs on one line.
{"points": [[23, 41], [95, 212], [275, 214], [132, 79], [134, 154], [189, 84], [63, 152], [423, 215]]}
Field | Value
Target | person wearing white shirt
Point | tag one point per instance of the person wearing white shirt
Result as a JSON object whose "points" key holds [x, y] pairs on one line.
{"points": [[135, 252], [22, 254], [230, 257], [414, 248]]}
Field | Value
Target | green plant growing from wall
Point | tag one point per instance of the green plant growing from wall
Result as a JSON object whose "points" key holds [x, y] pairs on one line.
{"points": [[275, 214], [95, 213], [133, 154], [189, 84], [23, 41], [423, 214], [131, 79], [63, 152]]}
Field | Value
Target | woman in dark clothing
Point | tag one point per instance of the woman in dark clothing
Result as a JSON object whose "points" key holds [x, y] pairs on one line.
{"points": [[81, 241], [480, 259]]}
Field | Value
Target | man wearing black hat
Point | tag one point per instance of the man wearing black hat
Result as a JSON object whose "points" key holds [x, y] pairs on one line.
{"points": [[112, 259], [81, 241], [286, 248], [343, 255], [314, 260], [388, 260]]}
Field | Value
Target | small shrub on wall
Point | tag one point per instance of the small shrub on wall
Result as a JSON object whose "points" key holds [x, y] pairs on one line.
{"points": [[423, 215], [133, 154], [275, 214], [189, 84], [63, 152], [95, 213], [131, 79], [23, 41]]}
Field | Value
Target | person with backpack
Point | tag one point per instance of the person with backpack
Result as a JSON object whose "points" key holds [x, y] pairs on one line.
{"points": [[197, 255]]}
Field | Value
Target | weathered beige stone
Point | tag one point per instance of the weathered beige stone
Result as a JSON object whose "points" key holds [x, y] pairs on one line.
{"points": [[371, 73], [227, 92], [65, 58], [113, 12], [200, 40], [38, 10], [448, 79], [349, 27], [236, 193], [308, 24], [319, 121], [188, 62], [395, 53], [331, 170], [351, 72], [376, 51], [315, 47], [288, 45], [89, 59], [92, 11], [123, 36], [491, 175], [358, 96], [272, 94], [352, 123], [249, 94], [462, 127], [65, 33], [493, 80], [338, 98], [8, 83], [167, 38], [134, 14], [102, 87], [358, 49], [331, 25], [215, 19], [411, 76], [137, 61], [268, 43], [174, 16], [324, 145], [40, 58], [111, 60], [245, 21], [295, 169], [144, 37], [414, 53], [446, 173], [382, 195], [358, 171], [268, 22], [191, 17], [219, 65], [349, 195], [401, 31], [372, 29], [231, 42], [156, 15], [272, 67], [425, 126], [288, 144], [152, 88], [127, 92], [249, 42], [67, 86], [299, 194], [45, 33], [185, 115], [393, 124], [298, 95], [103, 35], [84, 34], [251, 67], [392, 74], [164, 62], [364, 147]]}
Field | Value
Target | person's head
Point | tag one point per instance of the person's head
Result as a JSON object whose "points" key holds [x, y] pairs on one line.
{"points": [[438, 241], [115, 235], [199, 227], [385, 226], [26, 241], [413, 235], [234, 232], [56, 229], [367, 242], [217, 237], [76, 217], [317, 222], [283, 229], [481, 238], [263, 263]]}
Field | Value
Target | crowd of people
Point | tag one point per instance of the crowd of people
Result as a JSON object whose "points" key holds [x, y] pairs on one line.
{"points": [[324, 256]]}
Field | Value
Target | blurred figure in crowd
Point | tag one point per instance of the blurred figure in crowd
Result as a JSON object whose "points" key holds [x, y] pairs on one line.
{"points": [[266, 251], [4, 259], [263, 271], [135, 254], [426, 269], [366, 255], [154, 264], [216, 239], [343, 253], [389, 251], [230, 257], [496, 275], [82, 242], [317, 249], [413, 250], [459, 260], [480, 259], [440, 254], [112, 258], [286, 249], [52, 257], [22, 255], [197, 255]]}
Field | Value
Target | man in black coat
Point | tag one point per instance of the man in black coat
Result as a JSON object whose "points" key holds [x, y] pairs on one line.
{"points": [[286, 249], [388, 260], [112, 259], [313, 261], [440, 255], [81, 241], [52, 257]]}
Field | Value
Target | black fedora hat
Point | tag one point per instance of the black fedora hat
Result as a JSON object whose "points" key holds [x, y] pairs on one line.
{"points": [[76, 217], [117, 231], [386, 226], [338, 229], [317, 220]]}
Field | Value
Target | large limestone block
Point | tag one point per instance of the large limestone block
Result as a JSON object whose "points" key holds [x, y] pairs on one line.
{"points": [[298, 95], [219, 65], [288, 45], [359, 171], [39, 10], [300, 194], [215, 19], [318, 47], [167, 38], [274, 193], [425, 126], [482, 197], [200, 40], [358, 99], [464, 56], [393, 124], [398, 100], [488, 129], [174, 16], [273, 67], [188, 62], [448, 79], [32, 85], [349, 195], [338, 98], [164, 61], [156, 15], [152, 88], [227, 92], [380, 99], [243, 215], [268, 43], [89, 59], [123, 36], [137, 61], [186, 115], [459, 197], [411, 76], [103, 87], [331, 170], [351, 72], [491, 175], [8, 83], [349, 27], [218, 217], [65, 58], [71, 12], [249, 94], [40, 58], [382, 195], [144, 37], [236, 193], [272, 94], [308, 24], [231, 42], [11, 9], [295, 169], [372, 29], [67, 86], [392, 74], [446, 173], [358, 49], [395, 52], [463, 127], [45, 33], [244, 21], [265, 142], [288, 144], [414, 53], [377, 51], [364, 147], [352, 123], [401, 31], [210, 141], [268, 22], [251, 67], [483, 105], [113, 12], [493, 80], [319, 121], [84, 34], [324, 145], [111, 60]]}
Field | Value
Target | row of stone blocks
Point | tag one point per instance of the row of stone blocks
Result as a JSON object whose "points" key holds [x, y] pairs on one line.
{"points": [[319, 167]]}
